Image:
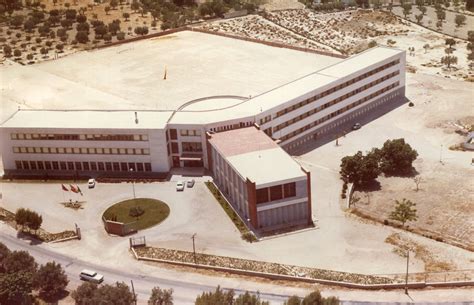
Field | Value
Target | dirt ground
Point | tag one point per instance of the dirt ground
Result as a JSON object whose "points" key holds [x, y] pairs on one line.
{"points": [[430, 19]]}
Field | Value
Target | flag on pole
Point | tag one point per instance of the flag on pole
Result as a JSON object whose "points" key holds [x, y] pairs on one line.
{"points": [[64, 188], [73, 189], [79, 190]]}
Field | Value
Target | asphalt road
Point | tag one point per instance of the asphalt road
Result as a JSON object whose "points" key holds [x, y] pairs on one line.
{"points": [[184, 292]]}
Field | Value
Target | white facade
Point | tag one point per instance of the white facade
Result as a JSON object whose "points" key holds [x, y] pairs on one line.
{"points": [[290, 113]]}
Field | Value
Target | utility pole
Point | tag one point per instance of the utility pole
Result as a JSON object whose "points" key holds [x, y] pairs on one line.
{"points": [[134, 294], [441, 154], [406, 277], [194, 248]]}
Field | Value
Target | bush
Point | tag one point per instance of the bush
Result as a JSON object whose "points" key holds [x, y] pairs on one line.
{"points": [[411, 104], [17, 53], [343, 195], [249, 236], [136, 211], [385, 222], [120, 36], [7, 50], [38, 40]]}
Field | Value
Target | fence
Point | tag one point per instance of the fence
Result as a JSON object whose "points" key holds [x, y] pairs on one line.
{"points": [[465, 275]]}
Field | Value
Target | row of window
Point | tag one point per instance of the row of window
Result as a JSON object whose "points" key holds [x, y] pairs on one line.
{"points": [[81, 150], [78, 137], [342, 110], [335, 101], [231, 127], [191, 146], [190, 132], [276, 192], [266, 119], [337, 88], [83, 166]]}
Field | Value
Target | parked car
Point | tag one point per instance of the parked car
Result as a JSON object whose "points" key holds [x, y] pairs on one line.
{"points": [[180, 186], [91, 276], [91, 183], [356, 126], [190, 183]]}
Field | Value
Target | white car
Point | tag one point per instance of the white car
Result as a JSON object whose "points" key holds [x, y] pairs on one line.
{"points": [[91, 183], [91, 276], [180, 186], [190, 183]]}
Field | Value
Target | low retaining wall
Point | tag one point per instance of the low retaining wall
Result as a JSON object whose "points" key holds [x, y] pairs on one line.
{"points": [[118, 228], [272, 276]]}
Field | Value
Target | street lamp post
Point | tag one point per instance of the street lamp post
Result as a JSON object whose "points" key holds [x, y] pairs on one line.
{"points": [[406, 277], [194, 248], [133, 182]]}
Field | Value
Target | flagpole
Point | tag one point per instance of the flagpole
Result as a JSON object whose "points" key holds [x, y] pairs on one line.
{"points": [[64, 198]]}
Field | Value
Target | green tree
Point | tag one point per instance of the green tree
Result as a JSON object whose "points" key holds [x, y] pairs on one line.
{"points": [[91, 294], [21, 215], [359, 169], [107, 9], [4, 252], [29, 25], [34, 219], [450, 42], [81, 18], [470, 5], [249, 299], [293, 300], [449, 60], [404, 211], [441, 15], [84, 294], [50, 280], [396, 157], [419, 18], [460, 20], [7, 50], [218, 297], [15, 288], [17, 20], [82, 37], [422, 9], [407, 9], [20, 261], [126, 16], [17, 53], [426, 47], [71, 14], [161, 296], [314, 298]]}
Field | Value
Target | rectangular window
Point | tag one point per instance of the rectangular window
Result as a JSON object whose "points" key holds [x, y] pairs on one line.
{"points": [[33, 165], [91, 150], [289, 189], [131, 165], [60, 150], [26, 164], [23, 149], [183, 132], [144, 137], [123, 166], [31, 150], [93, 166], [136, 137], [114, 151], [146, 151], [191, 146], [148, 167], [63, 165], [16, 150], [99, 151], [140, 167], [14, 136], [100, 165], [55, 165], [18, 165], [78, 166], [85, 166], [70, 166], [68, 150], [174, 148], [173, 134], [276, 193], [130, 151], [83, 150], [122, 151], [108, 166], [262, 195], [47, 165]]}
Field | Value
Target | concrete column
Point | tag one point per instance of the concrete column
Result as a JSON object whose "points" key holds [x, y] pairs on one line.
{"points": [[308, 183], [252, 202]]}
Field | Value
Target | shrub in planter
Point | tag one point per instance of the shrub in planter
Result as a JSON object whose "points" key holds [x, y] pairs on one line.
{"points": [[136, 211], [249, 236], [120, 36]]}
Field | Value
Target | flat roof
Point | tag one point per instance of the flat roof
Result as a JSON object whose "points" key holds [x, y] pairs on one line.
{"points": [[197, 65], [256, 156], [290, 90], [87, 119]]}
